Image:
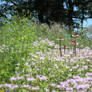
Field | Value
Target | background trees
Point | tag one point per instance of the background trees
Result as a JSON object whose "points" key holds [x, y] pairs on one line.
{"points": [[68, 12]]}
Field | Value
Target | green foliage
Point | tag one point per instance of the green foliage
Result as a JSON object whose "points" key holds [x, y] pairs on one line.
{"points": [[17, 37], [49, 10], [28, 49]]}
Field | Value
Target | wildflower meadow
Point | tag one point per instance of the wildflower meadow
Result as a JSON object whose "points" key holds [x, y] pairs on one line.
{"points": [[36, 58]]}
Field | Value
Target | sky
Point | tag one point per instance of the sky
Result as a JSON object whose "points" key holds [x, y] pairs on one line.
{"points": [[87, 23]]}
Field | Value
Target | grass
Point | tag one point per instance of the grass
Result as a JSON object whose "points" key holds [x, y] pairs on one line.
{"points": [[30, 59]]}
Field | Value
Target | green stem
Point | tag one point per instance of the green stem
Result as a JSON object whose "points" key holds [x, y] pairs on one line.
{"points": [[60, 48]]}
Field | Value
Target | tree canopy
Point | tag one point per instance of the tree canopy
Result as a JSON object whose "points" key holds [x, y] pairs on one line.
{"points": [[71, 13]]}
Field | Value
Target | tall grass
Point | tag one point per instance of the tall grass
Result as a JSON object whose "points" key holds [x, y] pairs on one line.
{"points": [[17, 37]]}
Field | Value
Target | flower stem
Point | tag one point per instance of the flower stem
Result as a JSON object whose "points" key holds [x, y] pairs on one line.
{"points": [[60, 48]]}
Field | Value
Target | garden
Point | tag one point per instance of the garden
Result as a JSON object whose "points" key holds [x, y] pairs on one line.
{"points": [[36, 58]]}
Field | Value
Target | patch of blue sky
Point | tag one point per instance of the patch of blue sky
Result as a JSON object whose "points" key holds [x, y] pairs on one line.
{"points": [[87, 23]]}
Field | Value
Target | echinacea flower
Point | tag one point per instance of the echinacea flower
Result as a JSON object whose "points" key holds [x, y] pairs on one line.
{"points": [[73, 42], [66, 47], [60, 39], [75, 35]]}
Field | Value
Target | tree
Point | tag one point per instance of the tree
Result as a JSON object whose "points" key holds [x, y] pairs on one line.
{"points": [[65, 12]]}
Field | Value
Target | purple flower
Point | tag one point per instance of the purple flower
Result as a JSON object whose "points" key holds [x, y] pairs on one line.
{"points": [[61, 83], [16, 78], [30, 79], [53, 90], [41, 77], [89, 74], [5, 85], [13, 78], [53, 85], [26, 86], [69, 89], [8, 85], [76, 77], [59, 86], [82, 86], [15, 86], [21, 77], [47, 90], [35, 88]]}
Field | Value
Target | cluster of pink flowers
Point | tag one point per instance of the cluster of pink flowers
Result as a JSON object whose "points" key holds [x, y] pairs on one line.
{"points": [[73, 42]]}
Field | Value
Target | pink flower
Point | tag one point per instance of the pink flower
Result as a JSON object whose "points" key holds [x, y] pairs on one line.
{"points": [[75, 35], [60, 39], [65, 47], [73, 42]]}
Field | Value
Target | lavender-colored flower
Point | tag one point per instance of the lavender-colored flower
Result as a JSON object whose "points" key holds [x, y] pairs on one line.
{"points": [[21, 77], [35, 88], [26, 86], [13, 78], [8, 85], [5, 85], [1, 85], [14, 86], [59, 86], [89, 78], [70, 80], [31, 79], [53, 90], [63, 86], [53, 85], [61, 83], [89, 75], [80, 87], [47, 90], [80, 80], [69, 89], [42, 58], [41, 77], [76, 77]]}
